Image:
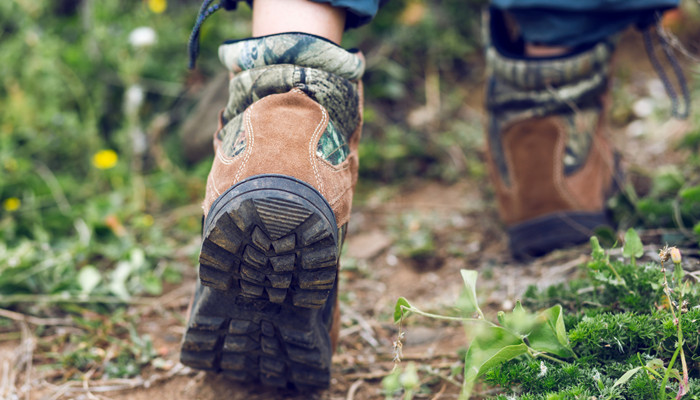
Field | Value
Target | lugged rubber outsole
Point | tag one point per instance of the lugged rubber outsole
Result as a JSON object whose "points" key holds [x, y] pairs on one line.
{"points": [[267, 267], [541, 235]]}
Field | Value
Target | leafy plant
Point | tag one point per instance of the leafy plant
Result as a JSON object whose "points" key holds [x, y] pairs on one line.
{"points": [[518, 333], [632, 330]]}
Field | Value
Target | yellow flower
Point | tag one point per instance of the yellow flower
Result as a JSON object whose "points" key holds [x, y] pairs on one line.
{"points": [[157, 6], [105, 159], [11, 204], [11, 165], [147, 220], [675, 255]]}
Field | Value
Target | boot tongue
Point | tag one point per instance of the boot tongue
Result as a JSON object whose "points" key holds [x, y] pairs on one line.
{"points": [[292, 48]]}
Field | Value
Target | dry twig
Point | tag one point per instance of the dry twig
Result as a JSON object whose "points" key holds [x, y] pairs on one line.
{"points": [[113, 385], [15, 316], [353, 389], [439, 394]]}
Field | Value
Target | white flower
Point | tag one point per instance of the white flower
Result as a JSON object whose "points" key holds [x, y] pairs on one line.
{"points": [[643, 107], [143, 36], [133, 98], [636, 128], [656, 89]]}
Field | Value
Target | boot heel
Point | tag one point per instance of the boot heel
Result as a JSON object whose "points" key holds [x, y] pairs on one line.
{"points": [[268, 271]]}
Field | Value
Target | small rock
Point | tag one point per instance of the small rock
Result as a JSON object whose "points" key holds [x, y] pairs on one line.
{"points": [[368, 245]]}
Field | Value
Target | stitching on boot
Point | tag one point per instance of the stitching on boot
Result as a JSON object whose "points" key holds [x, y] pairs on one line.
{"points": [[209, 194], [334, 168], [250, 137], [211, 175], [339, 197], [313, 143], [345, 165], [213, 185], [224, 159]]}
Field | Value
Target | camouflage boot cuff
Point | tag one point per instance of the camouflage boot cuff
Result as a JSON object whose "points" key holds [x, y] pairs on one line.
{"points": [[325, 72], [523, 88], [571, 87]]}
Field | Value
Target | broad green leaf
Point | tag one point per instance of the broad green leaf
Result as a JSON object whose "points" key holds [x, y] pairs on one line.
{"points": [[488, 342], [519, 321], [549, 334], [555, 317], [506, 353], [398, 311], [626, 377], [478, 362], [88, 279], [633, 245], [469, 277], [492, 345]]}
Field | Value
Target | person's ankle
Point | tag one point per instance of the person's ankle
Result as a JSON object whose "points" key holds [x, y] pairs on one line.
{"points": [[540, 51], [280, 16]]}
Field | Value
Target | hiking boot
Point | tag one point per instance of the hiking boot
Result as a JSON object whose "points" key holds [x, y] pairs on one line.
{"points": [[277, 203], [549, 158]]}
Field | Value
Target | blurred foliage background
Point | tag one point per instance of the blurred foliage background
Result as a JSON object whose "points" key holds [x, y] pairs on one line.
{"points": [[99, 202], [97, 198]]}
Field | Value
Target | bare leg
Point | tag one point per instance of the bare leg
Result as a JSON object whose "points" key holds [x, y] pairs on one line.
{"points": [[538, 50], [279, 16]]}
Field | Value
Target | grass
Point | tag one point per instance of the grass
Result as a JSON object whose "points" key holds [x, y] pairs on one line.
{"points": [[621, 331]]}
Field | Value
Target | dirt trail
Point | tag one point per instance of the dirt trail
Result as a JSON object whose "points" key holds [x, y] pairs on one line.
{"points": [[374, 279]]}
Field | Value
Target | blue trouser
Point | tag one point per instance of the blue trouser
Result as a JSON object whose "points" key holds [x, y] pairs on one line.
{"points": [[579, 22], [550, 22]]}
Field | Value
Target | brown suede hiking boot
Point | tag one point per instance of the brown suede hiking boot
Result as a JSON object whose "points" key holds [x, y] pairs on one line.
{"points": [[549, 159], [277, 202]]}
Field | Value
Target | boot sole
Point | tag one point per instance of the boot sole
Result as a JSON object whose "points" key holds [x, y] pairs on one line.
{"points": [[544, 234], [268, 270]]}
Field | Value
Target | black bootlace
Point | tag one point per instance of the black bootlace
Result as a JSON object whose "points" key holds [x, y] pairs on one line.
{"points": [[648, 34], [205, 11]]}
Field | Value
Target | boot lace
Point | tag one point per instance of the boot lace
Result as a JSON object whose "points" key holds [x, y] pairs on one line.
{"points": [[648, 34], [205, 11]]}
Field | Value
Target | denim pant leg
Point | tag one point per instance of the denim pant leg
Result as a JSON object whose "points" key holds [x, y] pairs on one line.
{"points": [[360, 12], [579, 22]]}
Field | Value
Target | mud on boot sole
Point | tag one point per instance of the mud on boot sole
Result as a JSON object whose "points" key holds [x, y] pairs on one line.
{"points": [[268, 267]]}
